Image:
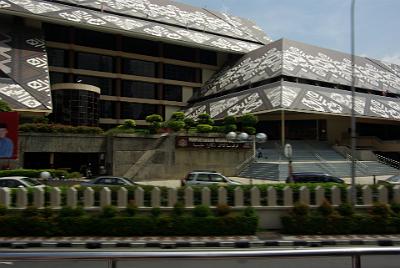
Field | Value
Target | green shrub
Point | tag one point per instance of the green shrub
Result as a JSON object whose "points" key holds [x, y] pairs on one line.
{"points": [[189, 123], [325, 208], [222, 210], [58, 128], [203, 128], [249, 212], [345, 209], [176, 125], [108, 212], [41, 120], [131, 210], [229, 120], [201, 211], [381, 210], [73, 175], [178, 116], [155, 212], [71, 212], [3, 210], [4, 106], [30, 212], [300, 209], [205, 119], [249, 130], [155, 122], [178, 209], [218, 129], [395, 207], [248, 120], [230, 128], [129, 124]]}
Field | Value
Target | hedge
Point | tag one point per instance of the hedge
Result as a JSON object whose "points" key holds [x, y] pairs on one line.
{"points": [[35, 173], [381, 219], [58, 128], [54, 224]]}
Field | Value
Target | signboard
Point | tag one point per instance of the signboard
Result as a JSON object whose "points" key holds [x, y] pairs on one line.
{"points": [[8, 135], [209, 143]]}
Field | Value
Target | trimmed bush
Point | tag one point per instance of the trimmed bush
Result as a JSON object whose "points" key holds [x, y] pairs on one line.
{"points": [[230, 128], [189, 123], [250, 130], [176, 125], [203, 128], [205, 119], [58, 128], [222, 210], [230, 120], [178, 116], [201, 211]]}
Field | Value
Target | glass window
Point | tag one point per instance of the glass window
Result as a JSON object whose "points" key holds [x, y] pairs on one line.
{"points": [[172, 93], [56, 33], [181, 73], [105, 84], [179, 52], [136, 89], [137, 111], [140, 46], [107, 109], [94, 39], [94, 62], [216, 178], [139, 67], [203, 177], [208, 57], [56, 78], [57, 57]]}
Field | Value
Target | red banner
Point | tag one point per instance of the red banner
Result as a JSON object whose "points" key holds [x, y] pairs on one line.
{"points": [[9, 135]]}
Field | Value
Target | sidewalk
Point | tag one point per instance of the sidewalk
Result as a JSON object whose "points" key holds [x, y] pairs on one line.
{"points": [[261, 240]]}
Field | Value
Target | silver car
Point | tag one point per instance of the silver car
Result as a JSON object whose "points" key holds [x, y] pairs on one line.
{"points": [[20, 182], [108, 181], [395, 179], [207, 178]]}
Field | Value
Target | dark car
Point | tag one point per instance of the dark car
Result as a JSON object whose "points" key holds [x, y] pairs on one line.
{"points": [[108, 181], [206, 178], [313, 177]]}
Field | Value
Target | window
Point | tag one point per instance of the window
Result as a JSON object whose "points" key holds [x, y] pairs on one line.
{"points": [[105, 84], [208, 57], [56, 78], [179, 52], [140, 46], [136, 89], [56, 33], [94, 39], [181, 73], [139, 67], [203, 177], [216, 178], [94, 62], [57, 57], [172, 93], [137, 111], [107, 109]]}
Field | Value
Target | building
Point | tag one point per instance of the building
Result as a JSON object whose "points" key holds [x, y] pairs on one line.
{"points": [[98, 63]]}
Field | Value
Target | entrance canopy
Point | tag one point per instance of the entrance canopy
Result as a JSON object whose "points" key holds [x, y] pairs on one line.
{"points": [[297, 97]]}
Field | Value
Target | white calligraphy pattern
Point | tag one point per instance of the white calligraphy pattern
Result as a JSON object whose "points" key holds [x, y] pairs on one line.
{"points": [[19, 94], [194, 112], [317, 102], [219, 107], [247, 105]]}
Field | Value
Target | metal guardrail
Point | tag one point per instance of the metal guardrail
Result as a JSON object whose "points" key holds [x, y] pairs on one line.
{"points": [[112, 257], [388, 161]]}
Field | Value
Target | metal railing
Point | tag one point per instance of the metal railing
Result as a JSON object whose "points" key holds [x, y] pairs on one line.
{"points": [[364, 166], [387, 161], [325, 164], [248, 258]]}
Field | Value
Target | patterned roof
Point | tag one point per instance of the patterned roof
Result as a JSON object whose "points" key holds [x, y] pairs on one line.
{"points": [[160, 19], [286, 57]]}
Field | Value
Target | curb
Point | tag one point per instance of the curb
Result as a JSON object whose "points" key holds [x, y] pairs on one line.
{"points": [[196, 244]]}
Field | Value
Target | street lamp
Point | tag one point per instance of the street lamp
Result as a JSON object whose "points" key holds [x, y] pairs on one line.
{"points": [[244, 137], [289, 153]]}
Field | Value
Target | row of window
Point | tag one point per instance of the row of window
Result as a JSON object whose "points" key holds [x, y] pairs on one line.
{"points": [[136, 111], [96, 62], [132, 89], [139, 46]]}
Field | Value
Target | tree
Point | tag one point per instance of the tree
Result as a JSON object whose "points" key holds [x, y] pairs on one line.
{"points": [[155, 122], [248, 120], [4, 106], [205, 119]]}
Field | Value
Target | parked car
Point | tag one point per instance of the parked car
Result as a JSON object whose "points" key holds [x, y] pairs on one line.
{"points": [[108, 181], [206, 178], [313, 177], [20, 182], [395, 179]]}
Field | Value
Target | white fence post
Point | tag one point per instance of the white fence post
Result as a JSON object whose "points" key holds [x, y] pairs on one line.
{"points": [[122, 201], [222, 196], [319, 195], [38, 197], [271, 196], [383, 194], [139, 197], [172, 197], [396, 194], [188, 197], [206, 196], [287, 196], [255, 196], [88, 198], [304, 193], [72, 197], [239, 202], [22, 198], [155, 197], [105, 197], [5, 197], [335, 196], [366, 195], [55, 197]]}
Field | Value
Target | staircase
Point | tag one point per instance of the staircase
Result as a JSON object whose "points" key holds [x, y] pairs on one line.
{"points": [[309, 156]]}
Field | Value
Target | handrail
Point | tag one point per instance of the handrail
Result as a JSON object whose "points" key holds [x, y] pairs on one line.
{"points": [[112, 257], [330, 168], [387, 161], [365, 166], [242, 165]]}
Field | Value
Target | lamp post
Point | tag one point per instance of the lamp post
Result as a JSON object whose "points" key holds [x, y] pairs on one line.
{"points": [[244, 137], [289, 153]]}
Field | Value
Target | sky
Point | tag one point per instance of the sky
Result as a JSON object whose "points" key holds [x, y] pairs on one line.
{"points": [[324, 23]]}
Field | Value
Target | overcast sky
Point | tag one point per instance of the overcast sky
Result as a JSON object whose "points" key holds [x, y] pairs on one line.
{"points": [[324, 23]]}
